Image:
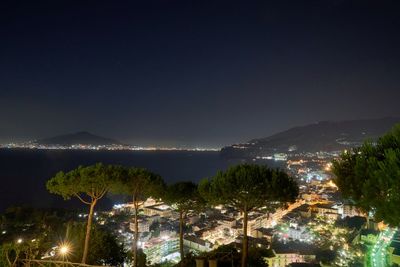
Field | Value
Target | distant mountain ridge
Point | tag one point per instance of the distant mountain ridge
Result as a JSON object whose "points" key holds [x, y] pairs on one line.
{"points": [[82, 138], [321, 136]]}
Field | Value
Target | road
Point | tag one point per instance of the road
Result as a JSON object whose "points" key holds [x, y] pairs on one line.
{"points": [[378, 255]]}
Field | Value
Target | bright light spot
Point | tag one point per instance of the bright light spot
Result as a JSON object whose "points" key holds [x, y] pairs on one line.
{"points": [[140, 244], [328, 166], [64, 250], [19, 241]]}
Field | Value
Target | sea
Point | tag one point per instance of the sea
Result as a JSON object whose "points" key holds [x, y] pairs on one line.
{"points": [[23, 173]]}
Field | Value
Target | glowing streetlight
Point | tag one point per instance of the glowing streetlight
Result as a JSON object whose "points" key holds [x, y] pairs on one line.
{"points": [[64, 250], [19, 241]]}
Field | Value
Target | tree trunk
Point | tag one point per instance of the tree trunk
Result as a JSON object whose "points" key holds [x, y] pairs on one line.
{"points": [[181, 236], [245, 245], [8, 259], [136, 234], [88, 229]]}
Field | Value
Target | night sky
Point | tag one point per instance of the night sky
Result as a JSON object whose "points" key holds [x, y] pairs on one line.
{"points": [[207, 73]]}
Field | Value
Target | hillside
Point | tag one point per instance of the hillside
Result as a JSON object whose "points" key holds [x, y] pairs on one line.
{"points": [[321, 136], [83, 138]]}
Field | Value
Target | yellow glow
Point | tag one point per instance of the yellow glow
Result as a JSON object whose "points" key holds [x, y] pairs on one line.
{"points": [[382, 226], [332, 184], [64, 249], [328, 166]]}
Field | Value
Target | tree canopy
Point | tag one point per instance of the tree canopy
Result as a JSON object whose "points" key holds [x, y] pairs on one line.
{"points": [[183, 197], [139, 184], [370, 176], [248, 187], [89, 184]]}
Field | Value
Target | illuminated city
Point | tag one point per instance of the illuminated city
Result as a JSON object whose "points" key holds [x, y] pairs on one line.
{"points": [[181, 133]]}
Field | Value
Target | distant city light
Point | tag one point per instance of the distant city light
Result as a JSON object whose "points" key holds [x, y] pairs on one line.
{"points": [[328, 166]]}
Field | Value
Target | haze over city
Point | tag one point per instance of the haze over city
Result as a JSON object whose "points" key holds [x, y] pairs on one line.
{"points": [[182, 73]]}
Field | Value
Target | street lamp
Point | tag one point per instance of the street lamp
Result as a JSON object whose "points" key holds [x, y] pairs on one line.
{"points": [[64, 249]]}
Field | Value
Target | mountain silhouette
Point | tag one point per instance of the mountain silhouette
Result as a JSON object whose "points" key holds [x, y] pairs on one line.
{"points": [[321, 136], [82, 138]]}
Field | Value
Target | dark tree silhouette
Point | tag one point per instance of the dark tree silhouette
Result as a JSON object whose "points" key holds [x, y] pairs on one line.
{"points": [[370, 176], [88, 184], [248, 187], [104, 247], [183, 197], [139, 184]]}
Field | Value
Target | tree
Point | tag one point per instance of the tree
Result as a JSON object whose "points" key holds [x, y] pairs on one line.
{"points": [[88, 184], [140, 184], [33, 231], [104, 247], [10, 253], [228, 256], [248, 187], [370, 176], [183, 197]]}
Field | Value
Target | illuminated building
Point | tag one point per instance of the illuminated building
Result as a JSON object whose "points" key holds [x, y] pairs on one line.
{"points": [[160, 249], [283, 257]]}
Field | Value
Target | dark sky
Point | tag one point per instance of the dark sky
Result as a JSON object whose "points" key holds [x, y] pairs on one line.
{"points": [[194, 72]]}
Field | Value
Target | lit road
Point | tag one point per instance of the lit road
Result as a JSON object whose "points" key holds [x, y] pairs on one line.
{"points": [[379, 250]]}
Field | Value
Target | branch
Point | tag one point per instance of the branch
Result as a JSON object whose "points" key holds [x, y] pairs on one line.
{"points": [[17, 252], [103, 193], [81, 199], [8, 257], [137, 203]]}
